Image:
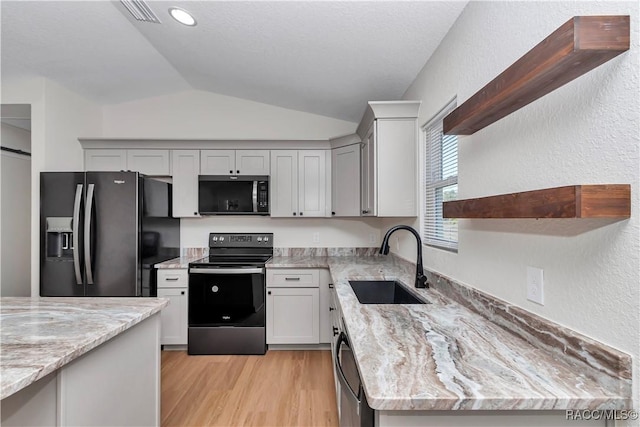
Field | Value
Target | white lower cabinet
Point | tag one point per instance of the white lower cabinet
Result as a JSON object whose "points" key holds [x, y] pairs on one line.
{"points": [[173, 285], [298, 306], [293, 316]]}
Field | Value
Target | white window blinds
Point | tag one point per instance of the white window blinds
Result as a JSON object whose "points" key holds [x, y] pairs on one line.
{"points": [[441, 183]]}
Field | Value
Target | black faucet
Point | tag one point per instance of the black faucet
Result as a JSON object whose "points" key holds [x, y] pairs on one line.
{"points": [[421, 279]]}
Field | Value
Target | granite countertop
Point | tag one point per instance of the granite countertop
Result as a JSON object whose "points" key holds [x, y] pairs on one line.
{"points": [[447, 356], [40, 335], [179, 262]]}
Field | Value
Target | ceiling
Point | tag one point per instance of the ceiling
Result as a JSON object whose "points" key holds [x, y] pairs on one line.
{"points": [[321, 57]]}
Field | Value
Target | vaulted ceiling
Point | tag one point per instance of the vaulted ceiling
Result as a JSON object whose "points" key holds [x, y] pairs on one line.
{"points": [[326, 58]]}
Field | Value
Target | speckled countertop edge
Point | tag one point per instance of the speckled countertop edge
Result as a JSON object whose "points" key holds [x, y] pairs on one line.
{"points": [[433, 325], [41, 335]]}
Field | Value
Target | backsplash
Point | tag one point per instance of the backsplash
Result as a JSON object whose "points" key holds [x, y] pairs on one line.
{"points": [[533, 328], [319, 252]]}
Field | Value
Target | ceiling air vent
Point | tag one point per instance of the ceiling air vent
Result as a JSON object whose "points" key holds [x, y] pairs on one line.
{"points": [[140, 10]]}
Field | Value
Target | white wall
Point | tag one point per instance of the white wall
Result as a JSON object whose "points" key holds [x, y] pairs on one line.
{"points": [[198, 114], [288, 233], [585, 132], [58, 117]]}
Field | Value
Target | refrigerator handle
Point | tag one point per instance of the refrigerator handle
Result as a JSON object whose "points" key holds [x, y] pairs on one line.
{"points": [[87, 234], [76, 232]]}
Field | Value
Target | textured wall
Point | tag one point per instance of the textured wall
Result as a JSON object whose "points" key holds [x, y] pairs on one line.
{"points": [[586, 132]]}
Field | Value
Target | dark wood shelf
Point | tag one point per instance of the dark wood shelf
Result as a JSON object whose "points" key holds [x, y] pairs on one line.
{"points": [[578, 46], [575, 201]]}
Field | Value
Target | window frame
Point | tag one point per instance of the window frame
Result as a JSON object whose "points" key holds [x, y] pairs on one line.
{"points": [[428, 187]]}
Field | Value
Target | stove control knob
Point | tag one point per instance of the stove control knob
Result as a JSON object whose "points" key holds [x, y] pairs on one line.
{"points": [[222, 238], [260, 239], [266, 239], [214, 238]]}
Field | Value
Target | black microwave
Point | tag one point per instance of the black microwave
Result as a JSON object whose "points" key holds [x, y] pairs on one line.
{"points": [[233, 195]]}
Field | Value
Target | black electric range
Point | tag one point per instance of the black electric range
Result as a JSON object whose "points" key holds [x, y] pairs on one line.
{"points": [[227, 295]]}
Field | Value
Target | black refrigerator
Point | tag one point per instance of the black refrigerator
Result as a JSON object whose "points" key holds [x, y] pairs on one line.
{"points": [[102, 232]]}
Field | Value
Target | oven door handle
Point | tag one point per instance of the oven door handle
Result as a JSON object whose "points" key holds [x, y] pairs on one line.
{"points": [[226, 270]]}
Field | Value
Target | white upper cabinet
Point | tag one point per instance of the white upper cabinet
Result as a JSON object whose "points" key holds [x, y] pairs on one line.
{"points": [[298, 183], [148, 162], [389, 159], [186, 166], [345, 181], [99, 160], [234, 162]]}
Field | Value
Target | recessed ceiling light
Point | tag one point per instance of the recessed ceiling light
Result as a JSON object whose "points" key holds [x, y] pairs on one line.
{"points": [[182, 16]]}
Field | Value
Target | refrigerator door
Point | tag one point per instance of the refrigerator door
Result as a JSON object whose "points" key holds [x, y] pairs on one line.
{"points": [[61, 216], [113, 224]]}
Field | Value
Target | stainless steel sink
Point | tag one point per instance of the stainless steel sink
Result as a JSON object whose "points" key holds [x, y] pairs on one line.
{"points": [[383, 292]]}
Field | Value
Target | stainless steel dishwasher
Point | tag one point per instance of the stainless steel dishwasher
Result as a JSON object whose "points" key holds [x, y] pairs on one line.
{"points": [[354, 409]]}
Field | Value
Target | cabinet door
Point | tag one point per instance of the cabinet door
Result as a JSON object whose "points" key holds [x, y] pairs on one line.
{"points": [[252, 162], [186, 166], [284, 183], [174, 316], [293, 316], [149, 162], [312, 183], [326, 311], [395, 141], [368, 174], [217, 162], [105, 160], [345, 181]]}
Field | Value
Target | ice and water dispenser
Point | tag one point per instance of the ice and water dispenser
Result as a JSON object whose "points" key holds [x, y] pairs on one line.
{"points": [[59, 237]]}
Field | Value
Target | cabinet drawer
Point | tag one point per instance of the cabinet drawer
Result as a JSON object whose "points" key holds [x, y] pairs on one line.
{"points": [[173, 278], [293, 278]]}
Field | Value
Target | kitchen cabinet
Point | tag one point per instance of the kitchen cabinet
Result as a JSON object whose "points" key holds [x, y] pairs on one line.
{"points": [[367, 174], [388, 162], [298, 183], [234, 162], [173, 285], [186, 167], [105, 160], [293, 306], [148, 162], [345, 181], [325, 286]]}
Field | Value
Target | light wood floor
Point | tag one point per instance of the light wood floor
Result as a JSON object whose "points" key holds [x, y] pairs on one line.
{"points": [[281, 388]]}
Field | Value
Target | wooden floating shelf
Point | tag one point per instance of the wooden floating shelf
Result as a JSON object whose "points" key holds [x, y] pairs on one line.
{"points": [[578, 46], [574, 201]]}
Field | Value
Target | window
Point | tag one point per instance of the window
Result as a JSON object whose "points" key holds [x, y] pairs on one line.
{"points": [[441, 183]]}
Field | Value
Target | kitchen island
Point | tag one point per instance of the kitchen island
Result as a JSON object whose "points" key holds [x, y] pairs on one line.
{"points": [[467, 358], [80, 361]]}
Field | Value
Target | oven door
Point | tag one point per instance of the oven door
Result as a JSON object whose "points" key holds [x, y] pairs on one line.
{"points": [[226, 296]]}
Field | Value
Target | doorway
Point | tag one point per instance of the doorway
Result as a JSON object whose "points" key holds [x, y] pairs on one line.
{"points": [[15, 200]]}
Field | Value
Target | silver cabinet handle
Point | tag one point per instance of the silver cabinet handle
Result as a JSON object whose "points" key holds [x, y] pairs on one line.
{"points": [[76, 234], [87, 233], [292, 278]]}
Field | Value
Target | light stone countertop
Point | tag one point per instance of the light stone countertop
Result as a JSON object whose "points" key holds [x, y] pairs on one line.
{"points": [[180, 262], [447, 356], [40, 335]]}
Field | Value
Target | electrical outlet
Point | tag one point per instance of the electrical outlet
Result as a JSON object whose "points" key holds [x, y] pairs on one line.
{"points": [[535, 285], [316, 237]]}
